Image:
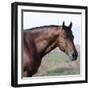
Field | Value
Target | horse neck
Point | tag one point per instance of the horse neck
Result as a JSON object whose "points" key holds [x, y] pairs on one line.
{"points": [[46, 41]]}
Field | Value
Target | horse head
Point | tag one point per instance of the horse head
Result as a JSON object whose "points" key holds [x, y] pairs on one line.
{"points": [[65, 41]]}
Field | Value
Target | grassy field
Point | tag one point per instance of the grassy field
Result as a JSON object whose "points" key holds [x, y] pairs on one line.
{"points": [[58, 63]]}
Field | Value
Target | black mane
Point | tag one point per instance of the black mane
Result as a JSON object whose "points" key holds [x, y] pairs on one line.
{"points": [[41, 27]]}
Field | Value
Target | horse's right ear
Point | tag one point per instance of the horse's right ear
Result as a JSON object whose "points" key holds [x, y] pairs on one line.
{"points": [[63, 25]]}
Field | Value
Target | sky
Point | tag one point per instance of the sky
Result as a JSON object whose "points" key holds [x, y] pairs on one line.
{"points": [[35, 19]]}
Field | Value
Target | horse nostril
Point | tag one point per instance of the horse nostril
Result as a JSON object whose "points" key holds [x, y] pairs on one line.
{"points": [[74, 55]]}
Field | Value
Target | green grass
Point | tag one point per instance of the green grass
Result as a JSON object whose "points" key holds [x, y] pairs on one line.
{"points": [[56, 55], [63, 71], [58, 63]]}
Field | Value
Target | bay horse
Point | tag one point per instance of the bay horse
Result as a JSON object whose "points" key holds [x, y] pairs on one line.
{"points": [[39, 41]]}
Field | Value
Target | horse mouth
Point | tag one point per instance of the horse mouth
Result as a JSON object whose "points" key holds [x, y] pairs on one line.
{"points": [[73, 56]]}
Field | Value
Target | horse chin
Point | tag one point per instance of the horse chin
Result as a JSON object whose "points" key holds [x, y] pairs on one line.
{"points": [[72, 58]]}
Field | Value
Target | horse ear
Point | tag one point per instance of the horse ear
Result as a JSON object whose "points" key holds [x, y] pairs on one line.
{"points": [[63, 25], [70, 26]]}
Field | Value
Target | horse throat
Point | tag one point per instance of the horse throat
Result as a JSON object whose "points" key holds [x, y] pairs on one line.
{"points": [[50, 48]]}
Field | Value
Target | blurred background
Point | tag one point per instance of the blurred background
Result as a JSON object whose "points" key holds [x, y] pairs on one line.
{"points": [[56, 62]]}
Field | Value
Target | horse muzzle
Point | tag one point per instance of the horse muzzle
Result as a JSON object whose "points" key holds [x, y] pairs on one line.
{"points": [[73, 55]]}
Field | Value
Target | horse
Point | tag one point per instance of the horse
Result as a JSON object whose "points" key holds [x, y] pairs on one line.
{"points": [[39, 41]]}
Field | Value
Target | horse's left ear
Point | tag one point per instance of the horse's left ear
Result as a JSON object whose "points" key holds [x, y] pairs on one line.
{"points": [[70, 26], [63, 25]]}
